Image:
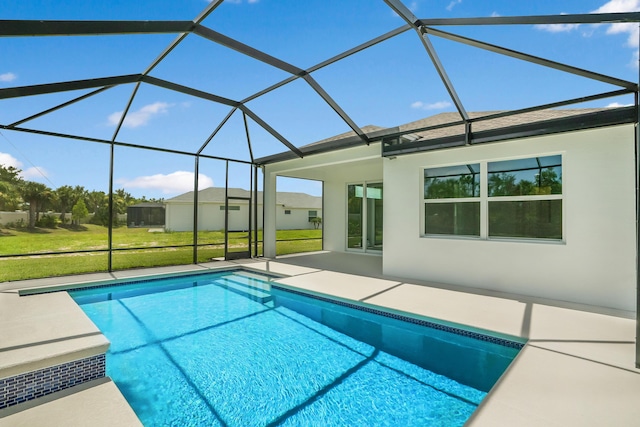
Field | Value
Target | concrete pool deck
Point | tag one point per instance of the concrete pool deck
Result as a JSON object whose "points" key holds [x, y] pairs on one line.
{"points": [[577, 368]]}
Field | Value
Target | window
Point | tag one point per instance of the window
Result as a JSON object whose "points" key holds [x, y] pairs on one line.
{"points": [[287, 211], [519, 198], [231, 208], [452, 200], [525, 198], [312, 215]]}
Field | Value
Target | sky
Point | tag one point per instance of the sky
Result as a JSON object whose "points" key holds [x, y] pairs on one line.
{"points": [[387, 85]]}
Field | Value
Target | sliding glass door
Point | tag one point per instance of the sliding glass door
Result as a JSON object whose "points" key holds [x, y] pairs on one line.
{"points": [[364, 216]]}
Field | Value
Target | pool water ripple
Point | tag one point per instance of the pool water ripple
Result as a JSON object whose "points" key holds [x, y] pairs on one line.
{"points": [[206, 356]]}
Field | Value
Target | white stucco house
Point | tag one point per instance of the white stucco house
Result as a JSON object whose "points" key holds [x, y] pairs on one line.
{"points": [[294, 211], [539, 204]]}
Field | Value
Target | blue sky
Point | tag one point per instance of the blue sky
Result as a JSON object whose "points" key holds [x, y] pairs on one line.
{"points": [[387, 85]]}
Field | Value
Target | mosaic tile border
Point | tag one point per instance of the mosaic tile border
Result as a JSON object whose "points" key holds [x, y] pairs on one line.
{"points": [[31, 385], [458, 331]]}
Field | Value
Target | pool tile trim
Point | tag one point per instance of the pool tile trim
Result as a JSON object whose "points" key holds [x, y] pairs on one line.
{"points": [[421, 322], [32, 385]]}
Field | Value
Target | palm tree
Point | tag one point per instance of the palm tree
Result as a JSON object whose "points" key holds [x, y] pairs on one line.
{"points": [[67, 197], [65, 200]]}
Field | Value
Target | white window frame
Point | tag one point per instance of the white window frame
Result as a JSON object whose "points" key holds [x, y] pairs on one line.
{"points": [[423, 232], [484, 200]]}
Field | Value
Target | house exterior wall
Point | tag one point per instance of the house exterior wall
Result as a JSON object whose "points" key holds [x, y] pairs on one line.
{"points": [[335, 169], [335, 231], [297, 219], [595, 264], [179, 217]]}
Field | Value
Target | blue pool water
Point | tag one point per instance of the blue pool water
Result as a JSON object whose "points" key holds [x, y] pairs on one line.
{"points": [[225, 349]]}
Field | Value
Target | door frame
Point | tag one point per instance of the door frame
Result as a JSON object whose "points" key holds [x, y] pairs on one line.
{"points": [[365, 226]]}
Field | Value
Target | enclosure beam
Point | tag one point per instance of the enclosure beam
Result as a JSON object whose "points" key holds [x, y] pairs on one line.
{"points": [[246, 130], [206, 12], [15, 92], [189, 91], [330, 61], [25, 28], [272, 131], [282, 65], [269, 214], [60, 106], [119, 144], [110, 210], [443, 74], [195, 208], [637, 165], [334, 105], [216, 130], [411, 19], [587, 18], [533, 59], [254, 53]]}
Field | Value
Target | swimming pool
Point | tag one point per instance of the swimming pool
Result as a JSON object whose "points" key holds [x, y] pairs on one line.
{"points": [[228, 349]]}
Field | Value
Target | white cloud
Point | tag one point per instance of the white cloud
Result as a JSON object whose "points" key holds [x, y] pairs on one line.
{"points": [[495, 15], [614, 6], [440, 105], [7, 77], [557, 28], [621, 6], [617, 105], [453, 4], [141, 117], [32, 173], [7, 160], [173, 183]]}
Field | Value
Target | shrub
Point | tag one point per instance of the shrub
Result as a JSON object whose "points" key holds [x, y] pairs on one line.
{"points": [[48, 221], [16, 224]]}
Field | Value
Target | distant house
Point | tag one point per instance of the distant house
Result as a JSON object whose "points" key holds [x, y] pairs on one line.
{"points": [[145, 215], [294, 211]]}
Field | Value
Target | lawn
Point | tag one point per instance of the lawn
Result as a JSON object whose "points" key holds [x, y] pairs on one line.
{"points": [[146, 253]]}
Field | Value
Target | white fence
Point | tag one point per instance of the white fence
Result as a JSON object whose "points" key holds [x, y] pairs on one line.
{"points": [[7, 217], [13, 217]]}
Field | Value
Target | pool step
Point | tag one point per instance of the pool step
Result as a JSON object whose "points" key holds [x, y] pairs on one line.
{"points": [[246, 290]]}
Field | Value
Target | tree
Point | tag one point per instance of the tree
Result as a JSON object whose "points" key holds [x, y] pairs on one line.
{"points": [[79, 211], [95, 200], [32, 193], [316, 221], [67, 197], [10, 182]]}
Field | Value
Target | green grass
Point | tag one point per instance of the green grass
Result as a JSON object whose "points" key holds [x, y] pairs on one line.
{"points": [[93, 237]]}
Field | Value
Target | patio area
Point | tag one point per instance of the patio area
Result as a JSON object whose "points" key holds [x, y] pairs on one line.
{"points": [[577, 368]]}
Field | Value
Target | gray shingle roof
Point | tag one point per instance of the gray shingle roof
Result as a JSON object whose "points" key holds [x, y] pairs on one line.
{"points": [[497, 123], [375, 133], [217, 194]]}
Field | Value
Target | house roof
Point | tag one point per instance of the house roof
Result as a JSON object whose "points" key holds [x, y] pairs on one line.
{"points": [[217, 195], [147, 205], [448, 129]]}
